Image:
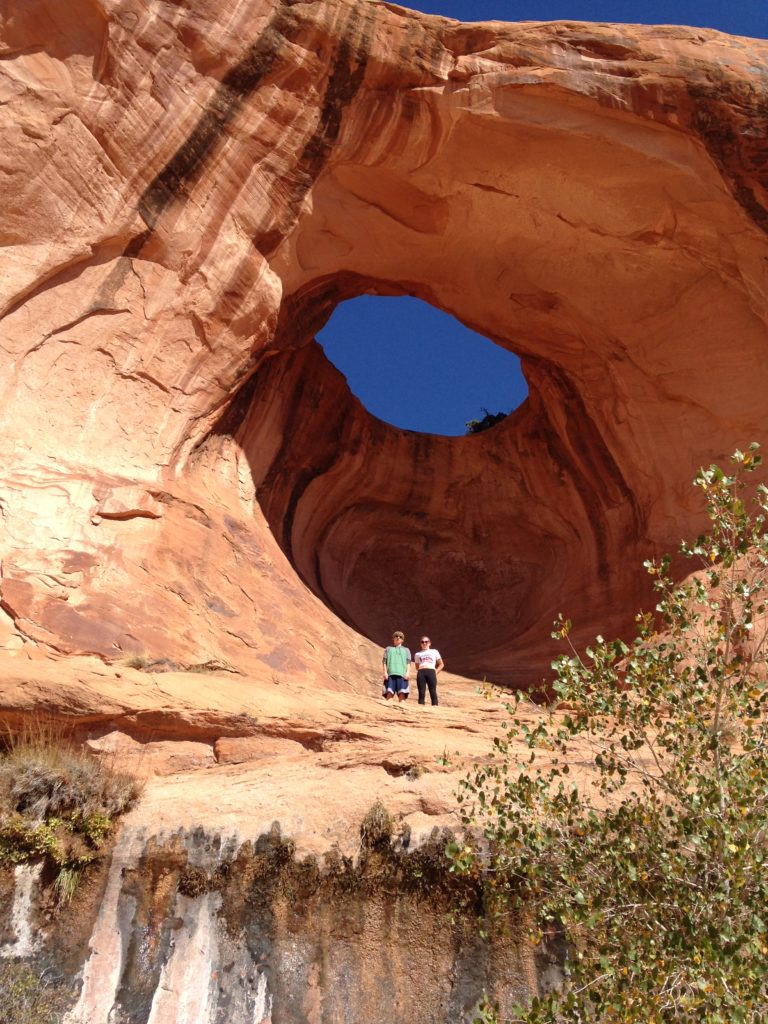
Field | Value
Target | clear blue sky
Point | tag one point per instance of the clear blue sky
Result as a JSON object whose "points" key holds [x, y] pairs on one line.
{"points": [[450, 373]]}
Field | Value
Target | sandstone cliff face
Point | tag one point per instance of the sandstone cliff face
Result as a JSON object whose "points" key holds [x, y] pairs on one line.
{"points": [[193, 929], [242, 888], [190, 188]]}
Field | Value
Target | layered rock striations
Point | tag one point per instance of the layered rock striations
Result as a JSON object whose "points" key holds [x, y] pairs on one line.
{"points": [[188, 191]]}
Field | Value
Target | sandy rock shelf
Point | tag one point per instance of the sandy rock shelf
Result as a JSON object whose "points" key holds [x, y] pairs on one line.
{"points": [[234, 754]]}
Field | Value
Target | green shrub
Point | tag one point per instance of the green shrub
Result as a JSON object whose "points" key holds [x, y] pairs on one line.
{"points": [[22, 840], [489, 420], [57, 803], [26, 998], [655, 870]]}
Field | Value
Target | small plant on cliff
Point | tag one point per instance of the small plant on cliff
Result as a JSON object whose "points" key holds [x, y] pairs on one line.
{"points": [[489, 420], [56, 802], [653, 865], [377, 828], [28, 998]]}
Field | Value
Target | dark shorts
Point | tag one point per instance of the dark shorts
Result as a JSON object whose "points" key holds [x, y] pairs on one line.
{"points": [[396, 685]]}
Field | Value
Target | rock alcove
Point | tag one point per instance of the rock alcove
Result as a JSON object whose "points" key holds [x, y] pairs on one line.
{"points": [[591, 197], [476, 539], [385, 525], [598, 279]]}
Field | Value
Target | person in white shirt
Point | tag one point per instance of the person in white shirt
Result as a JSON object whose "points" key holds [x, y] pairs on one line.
{"points": [[428, 664]]}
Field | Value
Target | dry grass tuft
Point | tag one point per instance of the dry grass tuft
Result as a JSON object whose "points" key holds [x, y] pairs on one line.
{"points": [[376, 828], [44, 775]]}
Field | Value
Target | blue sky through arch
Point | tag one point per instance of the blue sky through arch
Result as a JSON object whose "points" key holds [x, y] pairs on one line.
{"points": [[417, 367]]}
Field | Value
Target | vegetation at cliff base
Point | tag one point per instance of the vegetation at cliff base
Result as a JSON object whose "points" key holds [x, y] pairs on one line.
{"points": [[376, 828], [57, 803], [27, 998], [651, 864]]}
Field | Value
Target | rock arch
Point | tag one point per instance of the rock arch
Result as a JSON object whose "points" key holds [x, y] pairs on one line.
{"points": [[592, 197]]}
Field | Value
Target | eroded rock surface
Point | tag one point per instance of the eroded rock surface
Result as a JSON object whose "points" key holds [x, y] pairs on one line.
{"points": [[241, 887], [203, 929], [188, 189]]}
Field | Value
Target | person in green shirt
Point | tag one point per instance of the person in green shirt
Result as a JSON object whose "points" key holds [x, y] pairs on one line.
{"points": [[396, 664]]}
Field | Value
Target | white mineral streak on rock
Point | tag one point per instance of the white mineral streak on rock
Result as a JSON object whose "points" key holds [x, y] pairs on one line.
{"points": [[25, 877], [104, 966], [186, 991], [262, 1011]]}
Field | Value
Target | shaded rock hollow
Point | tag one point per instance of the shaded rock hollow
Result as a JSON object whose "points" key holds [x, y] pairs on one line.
{"points": [[190, 189]]}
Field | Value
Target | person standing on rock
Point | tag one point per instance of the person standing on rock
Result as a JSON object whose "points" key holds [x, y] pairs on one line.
{"points": [[397, 668], [428, 664]]}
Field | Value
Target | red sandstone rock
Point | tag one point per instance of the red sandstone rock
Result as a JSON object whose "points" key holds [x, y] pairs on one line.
{"points": [[314, 763], [142, 759], [189, 190], [242, 749]]}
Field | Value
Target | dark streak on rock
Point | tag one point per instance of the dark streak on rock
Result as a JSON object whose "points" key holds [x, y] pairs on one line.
{"points": [[349, 66], [145, 913], [239, 83], [349, 63], [722, 113], [138, 243]]}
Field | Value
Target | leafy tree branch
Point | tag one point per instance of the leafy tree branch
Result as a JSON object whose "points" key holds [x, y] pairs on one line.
{"points": [[651, 858]]}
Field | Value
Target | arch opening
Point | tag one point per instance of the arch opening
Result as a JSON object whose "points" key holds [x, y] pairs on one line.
{"points": [[417, 368], [469, 538]]}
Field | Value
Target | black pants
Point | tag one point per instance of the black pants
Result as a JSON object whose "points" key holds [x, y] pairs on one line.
{"points": [[427, 677]]}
